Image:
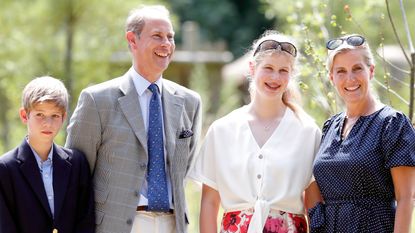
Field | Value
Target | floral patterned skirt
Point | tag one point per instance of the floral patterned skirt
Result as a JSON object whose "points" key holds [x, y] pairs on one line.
{"points": [[277, 222]]}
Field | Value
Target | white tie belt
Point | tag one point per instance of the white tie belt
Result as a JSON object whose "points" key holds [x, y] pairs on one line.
{"points": [[261, 212]]}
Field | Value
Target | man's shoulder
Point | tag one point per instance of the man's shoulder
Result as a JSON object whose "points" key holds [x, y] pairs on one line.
{"points": [[181, 90], [106, 86]]}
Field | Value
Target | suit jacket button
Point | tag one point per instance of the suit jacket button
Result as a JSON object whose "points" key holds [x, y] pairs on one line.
{"points": [[136, 193], [143, 166], [129, 221]]}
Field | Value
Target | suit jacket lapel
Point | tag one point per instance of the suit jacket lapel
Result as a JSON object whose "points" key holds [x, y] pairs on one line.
{"points": [[131, 108], [172, 111], [30, 171], [61, 176]]}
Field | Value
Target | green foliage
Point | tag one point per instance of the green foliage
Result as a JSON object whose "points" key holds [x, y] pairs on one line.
{"points": [[34, 37], [34, 34], [200, 81], [312, 23], [34, 42], [236, 22]]}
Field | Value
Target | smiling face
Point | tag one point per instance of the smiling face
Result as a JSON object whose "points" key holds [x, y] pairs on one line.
{"points": [[43, 122], [152, 50], [351, 74], [271, 74]]}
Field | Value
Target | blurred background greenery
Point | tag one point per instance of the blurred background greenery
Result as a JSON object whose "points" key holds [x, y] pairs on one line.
{"points": [[82, 43]]}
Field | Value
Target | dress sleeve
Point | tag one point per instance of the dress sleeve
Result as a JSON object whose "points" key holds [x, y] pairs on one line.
{"points": [[204, 169], [399, 142], [326, 127], [317, 141]]}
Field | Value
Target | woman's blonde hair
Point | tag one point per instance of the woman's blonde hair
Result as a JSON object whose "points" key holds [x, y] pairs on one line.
{"points": [[344, 47]]}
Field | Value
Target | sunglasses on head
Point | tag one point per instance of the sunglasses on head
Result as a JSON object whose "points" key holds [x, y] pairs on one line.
{"points": [[273, 44], [355, 40]]}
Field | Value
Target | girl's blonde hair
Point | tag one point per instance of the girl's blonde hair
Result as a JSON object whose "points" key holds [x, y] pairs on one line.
{"points": [[291, 97]]}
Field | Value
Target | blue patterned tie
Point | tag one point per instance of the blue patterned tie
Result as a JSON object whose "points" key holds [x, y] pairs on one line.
{"points": [[157, 195]]}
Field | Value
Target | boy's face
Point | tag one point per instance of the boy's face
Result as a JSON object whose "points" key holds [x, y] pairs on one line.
{"points": [[43, 122]]}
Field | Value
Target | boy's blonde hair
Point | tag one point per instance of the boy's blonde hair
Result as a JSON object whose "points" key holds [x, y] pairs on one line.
{"points": [[45, 89]]}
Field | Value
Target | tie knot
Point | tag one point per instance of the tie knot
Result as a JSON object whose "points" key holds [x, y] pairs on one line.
{"points": [[153, 88]]}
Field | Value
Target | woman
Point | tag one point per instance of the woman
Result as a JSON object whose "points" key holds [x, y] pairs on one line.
{"points": [[257, 160], [367, 155]]}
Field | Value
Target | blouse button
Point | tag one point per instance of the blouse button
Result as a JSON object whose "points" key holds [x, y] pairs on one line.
{"points": [[260, 156], [258, 176]]}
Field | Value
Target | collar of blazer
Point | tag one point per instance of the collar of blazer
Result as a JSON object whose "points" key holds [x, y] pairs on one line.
{"points": [[173, 106], [61, 174]]}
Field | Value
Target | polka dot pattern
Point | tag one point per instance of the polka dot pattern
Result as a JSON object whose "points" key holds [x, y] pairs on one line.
{"points": [[354, 174], [157, 194]]}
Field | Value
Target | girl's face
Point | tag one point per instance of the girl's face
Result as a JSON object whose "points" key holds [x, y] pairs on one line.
{"points": [[351, 75], [272, 74]]}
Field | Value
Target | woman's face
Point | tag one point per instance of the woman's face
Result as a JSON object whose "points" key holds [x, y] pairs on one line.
{"points": [[351, 75], [271, 75]]}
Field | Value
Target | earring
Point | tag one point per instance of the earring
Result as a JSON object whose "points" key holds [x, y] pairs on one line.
{"points": [[248, 77]]}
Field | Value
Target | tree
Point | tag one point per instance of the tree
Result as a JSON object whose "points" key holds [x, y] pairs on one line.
{"points": [[313, 22], [72, 40], [236, 22]]}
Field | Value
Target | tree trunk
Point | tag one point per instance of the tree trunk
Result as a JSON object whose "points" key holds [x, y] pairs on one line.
{"points": [[68, 77]]}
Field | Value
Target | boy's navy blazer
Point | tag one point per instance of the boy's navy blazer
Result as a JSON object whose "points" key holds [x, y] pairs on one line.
{"points": [[24, 206]]}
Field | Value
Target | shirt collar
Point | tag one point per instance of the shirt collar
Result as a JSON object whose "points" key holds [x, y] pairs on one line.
{"points": [[141, 84], [37, 157]]}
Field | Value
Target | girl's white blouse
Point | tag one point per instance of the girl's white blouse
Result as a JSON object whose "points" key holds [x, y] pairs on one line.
{"points": [[273, 176]]}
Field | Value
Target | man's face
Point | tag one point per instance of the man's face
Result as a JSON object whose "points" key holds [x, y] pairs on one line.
{"points": [[153, 49]]}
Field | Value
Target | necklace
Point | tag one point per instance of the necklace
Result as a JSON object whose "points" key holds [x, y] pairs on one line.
{"points": [[269, 125]]}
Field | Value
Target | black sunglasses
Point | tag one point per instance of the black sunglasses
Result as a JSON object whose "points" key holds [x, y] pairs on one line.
{"points": [[273, 44], [355, 40]]}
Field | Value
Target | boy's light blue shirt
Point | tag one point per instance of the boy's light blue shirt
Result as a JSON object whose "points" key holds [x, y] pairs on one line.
{"points": [[46, 171]]}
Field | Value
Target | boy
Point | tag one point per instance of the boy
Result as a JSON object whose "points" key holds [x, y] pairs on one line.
{"points": [[44, 187]]}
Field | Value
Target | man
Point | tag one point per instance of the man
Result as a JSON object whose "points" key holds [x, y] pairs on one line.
{"points": [[138, 171]]}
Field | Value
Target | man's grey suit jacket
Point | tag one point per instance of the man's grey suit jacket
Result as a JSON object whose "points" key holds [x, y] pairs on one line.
{"points": [[107, 125]]}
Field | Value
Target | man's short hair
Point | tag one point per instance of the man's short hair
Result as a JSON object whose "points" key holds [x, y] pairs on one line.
{"points": [[45, 89], [136, 19]]}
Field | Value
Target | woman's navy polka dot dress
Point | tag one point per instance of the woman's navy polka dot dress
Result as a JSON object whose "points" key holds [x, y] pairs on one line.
{"points": [[354, 174]]}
